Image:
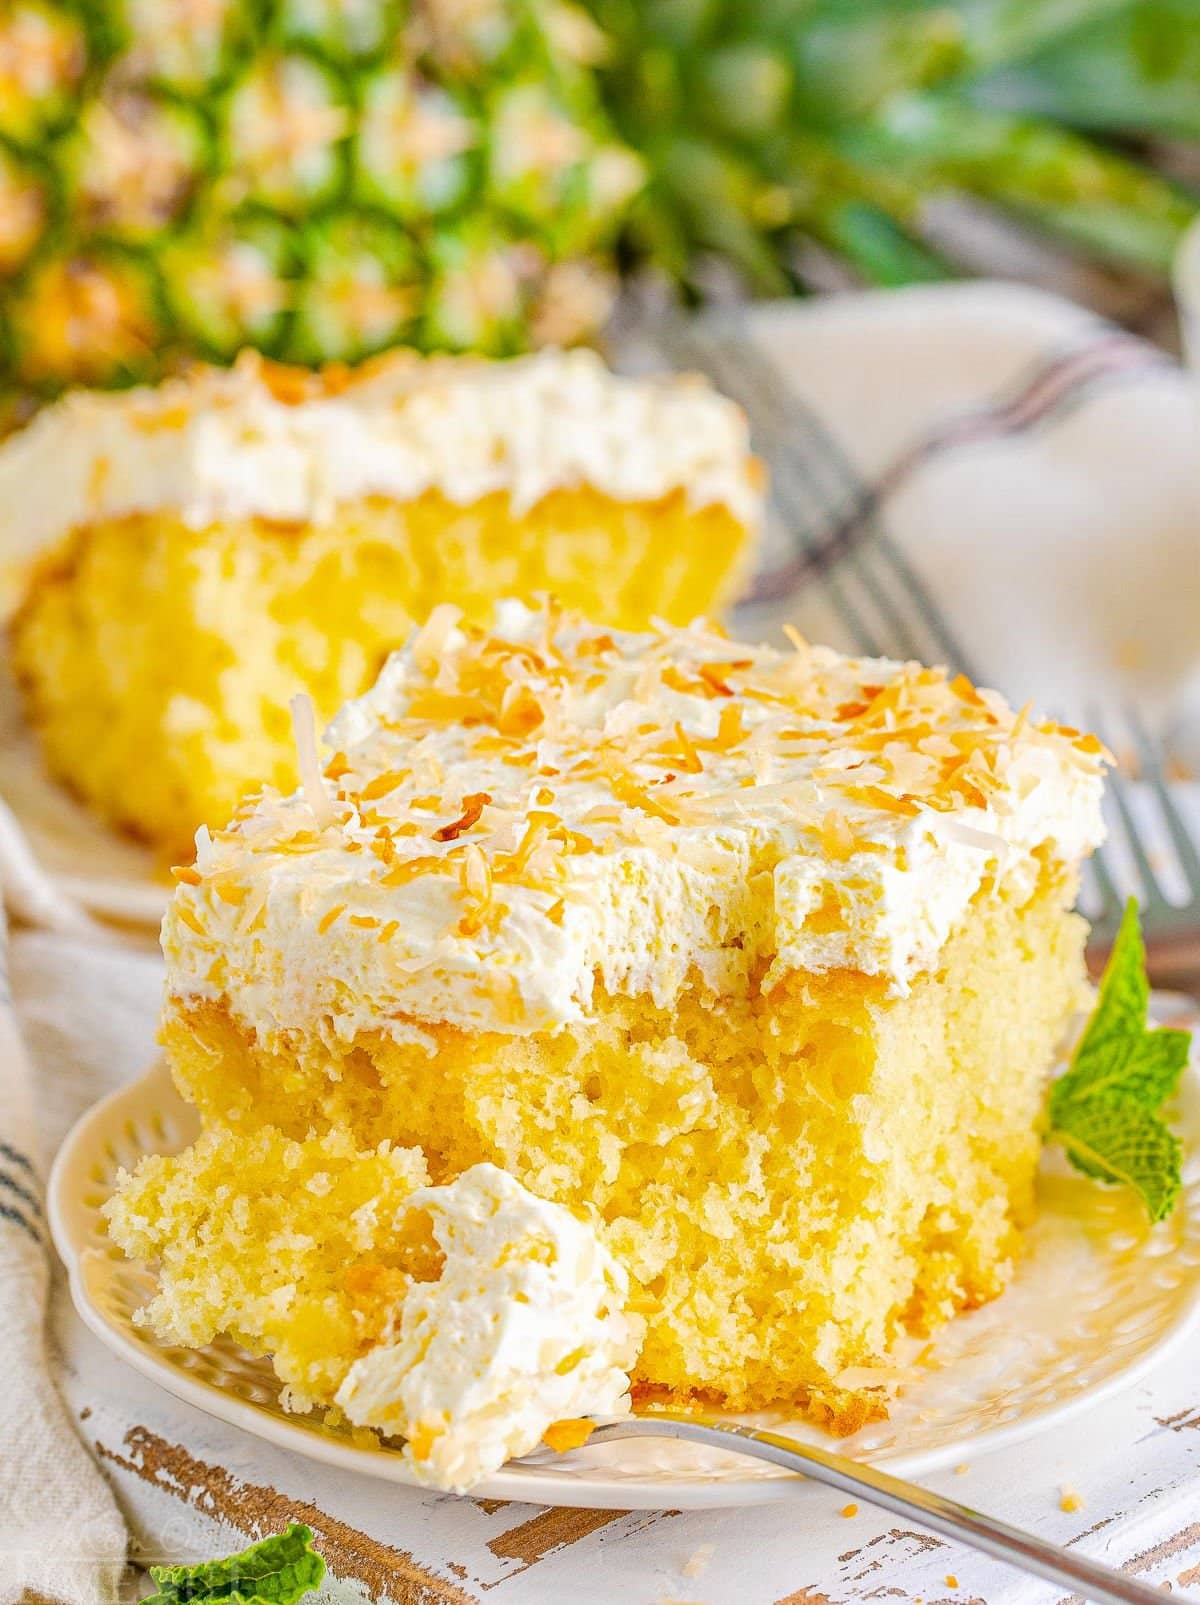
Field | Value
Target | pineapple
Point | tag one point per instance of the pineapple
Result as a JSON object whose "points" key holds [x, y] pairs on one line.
{"points": [[316, 178], [783, 133], [323, 178]]}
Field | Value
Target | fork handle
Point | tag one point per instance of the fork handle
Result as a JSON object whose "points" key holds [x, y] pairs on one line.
{"points": [[1068, 1570]]}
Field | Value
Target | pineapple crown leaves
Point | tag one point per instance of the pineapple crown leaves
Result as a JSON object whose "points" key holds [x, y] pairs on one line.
{"points": [[1105, 1110], [278, 1571], [848, 118]]}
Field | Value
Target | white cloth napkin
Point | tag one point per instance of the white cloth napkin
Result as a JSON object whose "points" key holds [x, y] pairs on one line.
{"points": [[992, 475], [61, 1535]]}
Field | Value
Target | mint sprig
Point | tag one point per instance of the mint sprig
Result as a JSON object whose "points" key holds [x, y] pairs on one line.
{"points": [[278, 1571], [1104, 1111]]}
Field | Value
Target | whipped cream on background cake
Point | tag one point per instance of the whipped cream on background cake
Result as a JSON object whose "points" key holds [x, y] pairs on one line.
{"points": [[274, 442], [508, 821]]}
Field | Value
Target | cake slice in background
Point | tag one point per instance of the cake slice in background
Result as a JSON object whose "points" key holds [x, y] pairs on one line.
{"points": [[183, 560], [759, 958]]}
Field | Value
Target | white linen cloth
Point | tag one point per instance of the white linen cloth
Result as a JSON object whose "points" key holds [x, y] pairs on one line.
{"points": [[999, 474], [61, 1535]]}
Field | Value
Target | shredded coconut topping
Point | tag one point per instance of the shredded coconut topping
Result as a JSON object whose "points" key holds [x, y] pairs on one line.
{"points": [[531, 809], [312, 782]]}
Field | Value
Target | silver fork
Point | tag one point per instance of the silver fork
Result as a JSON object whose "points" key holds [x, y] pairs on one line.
{"points": [[1031, 1554], [836, 539], [1171, 923]]}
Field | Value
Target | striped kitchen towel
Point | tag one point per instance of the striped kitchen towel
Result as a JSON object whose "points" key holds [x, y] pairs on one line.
{"points": [[61, 1537], [983, 475]]}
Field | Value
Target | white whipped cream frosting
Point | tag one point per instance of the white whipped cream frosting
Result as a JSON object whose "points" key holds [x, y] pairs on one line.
{"points": [[814, 842], [525, 1326], [219, 444]]}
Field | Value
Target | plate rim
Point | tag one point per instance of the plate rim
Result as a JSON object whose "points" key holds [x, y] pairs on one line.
{"points": [[525, 1483]]}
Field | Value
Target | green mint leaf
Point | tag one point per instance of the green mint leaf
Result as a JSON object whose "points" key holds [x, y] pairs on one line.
{"points": [[1104, 1109], [1117, 1141], [278, 1571], [1124, 989], [1146, 1069]]}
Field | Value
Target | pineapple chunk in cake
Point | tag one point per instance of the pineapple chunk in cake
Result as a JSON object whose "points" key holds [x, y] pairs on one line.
{"points": [[182, 560], [709, 939]]}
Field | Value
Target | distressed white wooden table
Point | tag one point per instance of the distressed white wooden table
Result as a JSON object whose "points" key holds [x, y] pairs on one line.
{"points": [[192, 1488]]}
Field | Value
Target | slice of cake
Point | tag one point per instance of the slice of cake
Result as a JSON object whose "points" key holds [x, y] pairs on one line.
{"points": [[182, 560], [467, 1319], [760, 956]]}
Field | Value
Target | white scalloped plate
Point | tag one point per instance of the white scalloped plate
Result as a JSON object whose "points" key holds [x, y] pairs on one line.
{"points": [[992, 1378]]}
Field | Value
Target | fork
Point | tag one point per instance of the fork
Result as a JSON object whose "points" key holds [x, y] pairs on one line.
{"points": [[835, 537], [1171, 924], [1028, 1553]]}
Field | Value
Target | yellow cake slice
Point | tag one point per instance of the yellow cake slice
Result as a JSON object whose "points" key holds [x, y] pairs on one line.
{"points": [[759, 958], [182, 560], [466, 1319]]}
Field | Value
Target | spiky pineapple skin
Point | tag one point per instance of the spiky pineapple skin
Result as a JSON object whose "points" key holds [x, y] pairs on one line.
{"points": [[316, 178]]}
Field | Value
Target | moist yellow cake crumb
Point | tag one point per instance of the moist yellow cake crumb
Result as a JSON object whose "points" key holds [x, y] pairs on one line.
{"points": [[296, 1248]]}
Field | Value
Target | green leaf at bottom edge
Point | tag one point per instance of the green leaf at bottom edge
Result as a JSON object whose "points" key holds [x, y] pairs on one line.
{"points": [[277, 1571]]}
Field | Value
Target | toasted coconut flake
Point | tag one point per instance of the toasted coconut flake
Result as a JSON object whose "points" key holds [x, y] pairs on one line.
{"points": [[966, 692], [520, 712], [383, 784], [204, 849], [627, 790], [312, 782], [429, 643], [472, 808], [885, 801], [691, 758], [411, 869], [595, 646], [446, 707], [188, 915], [477, 891]]}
